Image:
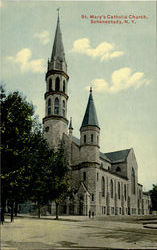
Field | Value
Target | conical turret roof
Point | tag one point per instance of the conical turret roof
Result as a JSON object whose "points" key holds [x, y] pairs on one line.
{"points": [[90, 117], [58, 49]]}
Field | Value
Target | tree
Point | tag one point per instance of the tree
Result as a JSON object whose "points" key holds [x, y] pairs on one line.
{"points": [[47, 173], [37, 172], [30, 169], [16, 126], [60, 185], [153, 195]]}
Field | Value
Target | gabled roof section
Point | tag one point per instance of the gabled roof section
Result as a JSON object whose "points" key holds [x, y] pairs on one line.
{"points": [[90, 117], [118, 156], [139, 184], [84, 188], [76, 140], [58, 49], [104, 157]]}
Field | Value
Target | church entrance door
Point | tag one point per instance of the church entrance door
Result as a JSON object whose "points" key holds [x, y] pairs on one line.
{"points": [[81, 208]]}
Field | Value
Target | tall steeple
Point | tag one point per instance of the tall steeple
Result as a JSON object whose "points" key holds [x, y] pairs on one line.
{"points": [[90, 117], [57, 60], [56, 96], [58, 49]]}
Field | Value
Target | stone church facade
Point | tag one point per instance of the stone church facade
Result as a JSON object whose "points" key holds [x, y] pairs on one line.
{"points": [[105, 183]]}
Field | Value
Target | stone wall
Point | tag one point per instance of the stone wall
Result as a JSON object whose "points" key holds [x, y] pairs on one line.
{"points": [[75, 158], [53, 131], [132, 164], [89, 153], [109, 204]]}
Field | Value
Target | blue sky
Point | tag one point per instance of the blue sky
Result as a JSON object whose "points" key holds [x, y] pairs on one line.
{"points": [[118, 60]]}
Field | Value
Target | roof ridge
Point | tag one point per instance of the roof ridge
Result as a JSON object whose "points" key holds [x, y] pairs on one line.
{"points": [[104, 155], [118, 151], [118, 156]]}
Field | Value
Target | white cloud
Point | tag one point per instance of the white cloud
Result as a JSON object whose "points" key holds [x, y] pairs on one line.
{"points": [[0, 4], [43, 36], [121, 79], [23, 58], [104, 50]]}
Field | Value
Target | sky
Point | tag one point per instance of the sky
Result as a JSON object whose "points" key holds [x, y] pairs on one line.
{"points": [[117, 59]]}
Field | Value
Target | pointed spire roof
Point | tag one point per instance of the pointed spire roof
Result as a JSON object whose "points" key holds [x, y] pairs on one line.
{"points": [[70, 125], [90, 117], [58, 49]]}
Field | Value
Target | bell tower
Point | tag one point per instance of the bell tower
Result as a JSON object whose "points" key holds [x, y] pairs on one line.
{"points": [[55, 121]]}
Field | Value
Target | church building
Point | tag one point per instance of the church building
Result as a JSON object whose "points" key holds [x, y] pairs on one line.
{"points": [[105, 183]]}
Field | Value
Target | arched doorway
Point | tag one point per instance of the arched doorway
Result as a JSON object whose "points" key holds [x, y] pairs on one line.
{"points": [[81, 205]]}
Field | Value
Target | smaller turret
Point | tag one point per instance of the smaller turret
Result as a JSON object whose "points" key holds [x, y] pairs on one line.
{"points": [[89, 133]]}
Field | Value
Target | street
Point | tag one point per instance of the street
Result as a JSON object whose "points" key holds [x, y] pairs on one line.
{"points": [[78, 231]]}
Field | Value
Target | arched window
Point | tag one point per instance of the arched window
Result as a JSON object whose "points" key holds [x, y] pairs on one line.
{"points": [[92, 198], [111, 186], [49, 102], [63, 108], [125, 192], [133, 181], [118, 190], [49, 110], [56, 106], [50, 84], [103, 186], [64, 86], [84, 176], [47, 129], [57, 84], [140, 194], [84, 138], [49, 106], [118, 169], [92, 137]]}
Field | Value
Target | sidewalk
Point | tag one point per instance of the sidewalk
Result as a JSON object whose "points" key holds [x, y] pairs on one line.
{"points": [[53, 217]]}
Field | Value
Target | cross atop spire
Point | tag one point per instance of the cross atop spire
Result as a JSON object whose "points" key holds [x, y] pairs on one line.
{"points": [[58, 13]]}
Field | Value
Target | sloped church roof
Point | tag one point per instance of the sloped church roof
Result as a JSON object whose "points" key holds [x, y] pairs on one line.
{"points": [[118, 156], [90, 117]]}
